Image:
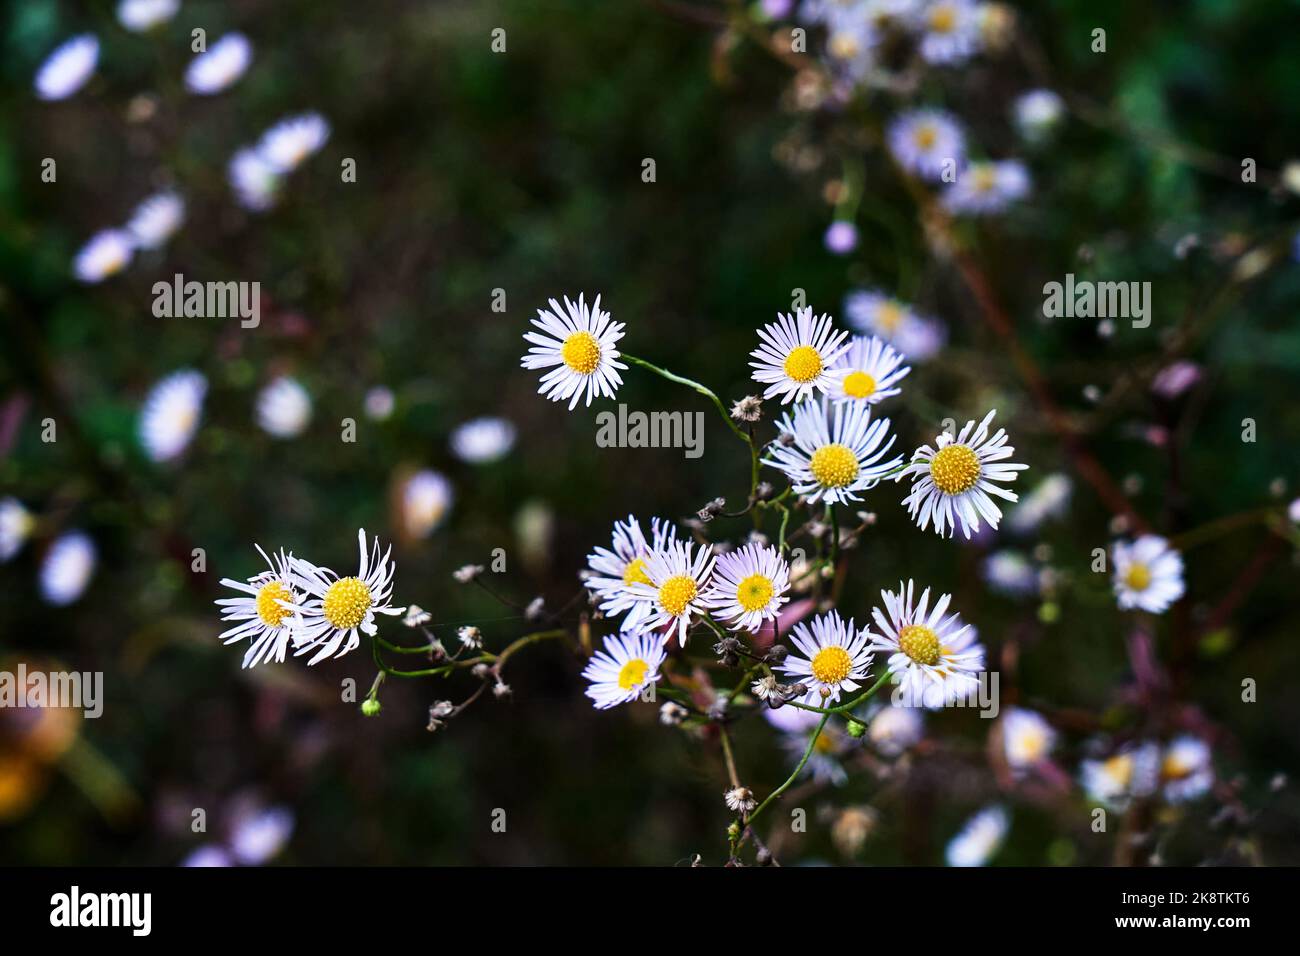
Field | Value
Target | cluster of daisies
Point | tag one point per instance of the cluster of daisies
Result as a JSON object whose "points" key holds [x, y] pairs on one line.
{"points": [[256, 173]]}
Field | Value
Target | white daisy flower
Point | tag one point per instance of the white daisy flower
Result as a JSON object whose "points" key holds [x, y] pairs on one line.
{"points": [[287, 144], [426, 498], [335, 608], [980, 839], [220, 65], [851, 40], [954, 480], [16, 524], [67, 69], [1049, 499], [67, 568], [614, 572], [796, 355], [917, 337], [1148, 574], [106, 254], [950, 31], [1027, 739], [935, 661], [1133, 771], [170, 415], [895, 729], [1186, 770], [618, 673], [836, 451], [581, 342], [749, 586], [254, 180], [257, 837], [283, 408], [926, 142], [836, 658], [482, 441], [139, 15], [674, 593], [824, 764], [987, 187], [156, 219], [867, 371], [265, 612], [1037, 113]]}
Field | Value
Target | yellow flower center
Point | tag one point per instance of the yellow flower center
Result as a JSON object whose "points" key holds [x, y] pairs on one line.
{"points": [[581, 352], [844, 46], [1174, 769], [346, 603], [889, 315], [803, 364], [1120, 769], [632, 674], [834, 466], [634, 573], [676, 593], [985, 179], [920, 644], [943, 19], [1030, 745], [754, 593], [826, 742], [955, 469], [832, 664], [268, 606], [926, 137], [859, 385], [1138, 577]]}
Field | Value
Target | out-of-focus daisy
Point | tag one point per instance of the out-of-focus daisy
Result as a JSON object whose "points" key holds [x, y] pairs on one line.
{"points": [[824, 764], [208, 855], [867, 371], [292, 140], [1133, 771], [917, 337], [379, 403], [16, 524], [673, 593], [851, 40], [895, 729], [749, 586], [1027, 738], [1049, 499], [336, 608], [425, 499], [258, 837], [926, 142], [67, 568], [836, 450], [616, 569], [628, 663], [1148, 574], [841, 237], [796, 355], [987, 187], [106, 254], [156, 219], [284, 408], [950, 31], [955, 480], [254, 180], [580, 341], [935, 660], [170, 414], [1037, 113], [1010, 572], [264, 614], [1186, 770], [836, 658], [67, 69], [220, 65], [979, 839], [140, 15], [887, 14], [483, 440]]}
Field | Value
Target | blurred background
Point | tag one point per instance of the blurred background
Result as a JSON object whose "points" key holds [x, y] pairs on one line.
{"points": [[521, 171]]}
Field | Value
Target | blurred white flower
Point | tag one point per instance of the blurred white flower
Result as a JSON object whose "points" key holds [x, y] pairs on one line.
{"points": [[170, 414], [284, 408], [220, 65], [917, 337], [1049, 499], [894, 729], [255, 182], [926, 141], [67, 69], [1037, 113], [426, 497], [1010, 573], [1133, 771], [67, 568], [979, 839], [289, 142], [156, 219], [16, 524], [987, 187], [208, 855], [483, 440], [1186, 770], [1026, 737], [260, 836], [841, 237], [950, 31], [106, 254], [140, 15], [379, 403]]}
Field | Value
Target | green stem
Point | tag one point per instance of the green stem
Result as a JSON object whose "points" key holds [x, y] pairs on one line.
{"points": [[812, 743]]}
